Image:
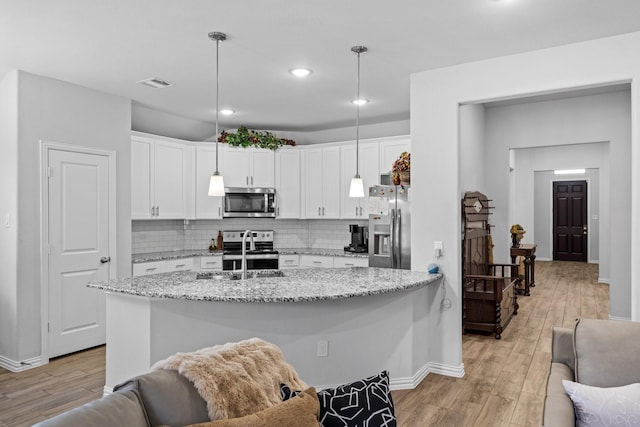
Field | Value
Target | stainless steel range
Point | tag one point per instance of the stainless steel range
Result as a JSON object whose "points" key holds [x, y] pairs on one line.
{"points": [[263, 257]]}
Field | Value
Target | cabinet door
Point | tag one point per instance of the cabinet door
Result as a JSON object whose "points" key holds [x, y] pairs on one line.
{"points": [[316, 261], [331, 182], [263, 169], [390, 150], [237, 166], [207, 207], [349, 206], [313, 173], [169, 179], [288, 182], [370, 173], [141, 175]]}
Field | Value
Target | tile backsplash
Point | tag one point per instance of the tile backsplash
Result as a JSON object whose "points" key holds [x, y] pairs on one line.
{"points": [[170, 235]]}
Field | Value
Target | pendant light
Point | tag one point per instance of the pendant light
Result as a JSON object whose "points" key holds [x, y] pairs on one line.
{"points": [[216, 183], [357, 186]]}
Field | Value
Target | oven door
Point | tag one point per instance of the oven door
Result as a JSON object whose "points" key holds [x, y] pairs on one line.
{"points": [[249, 203]]}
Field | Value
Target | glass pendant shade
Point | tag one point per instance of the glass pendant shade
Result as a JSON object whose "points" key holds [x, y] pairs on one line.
{"points": [[357, 187], [216, 185]]}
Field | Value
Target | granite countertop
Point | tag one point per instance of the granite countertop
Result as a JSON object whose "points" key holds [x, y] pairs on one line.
{"points": [[297, 285], [321, 252], [161, 256]]}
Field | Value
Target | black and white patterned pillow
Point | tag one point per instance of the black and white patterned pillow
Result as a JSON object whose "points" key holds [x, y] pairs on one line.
{"points": [[364, 403]]}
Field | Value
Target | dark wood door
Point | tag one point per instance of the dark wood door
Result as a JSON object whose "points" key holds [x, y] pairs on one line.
{"points": [[570, 221]]}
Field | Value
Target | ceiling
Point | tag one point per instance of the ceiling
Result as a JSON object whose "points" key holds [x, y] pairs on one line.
{"points": [[110, 45]]}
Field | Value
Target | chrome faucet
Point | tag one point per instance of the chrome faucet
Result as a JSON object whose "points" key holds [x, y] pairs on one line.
{"points": [[244, 251]]}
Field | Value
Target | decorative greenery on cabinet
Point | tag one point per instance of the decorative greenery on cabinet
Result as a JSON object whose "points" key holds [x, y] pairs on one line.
{"points": [[246, 138]]}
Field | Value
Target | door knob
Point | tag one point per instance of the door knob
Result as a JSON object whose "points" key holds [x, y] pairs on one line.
{"points": [[105, 259]]}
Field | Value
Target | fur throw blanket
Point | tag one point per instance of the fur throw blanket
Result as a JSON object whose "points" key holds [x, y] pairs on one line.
{"points": [[236, 379]]}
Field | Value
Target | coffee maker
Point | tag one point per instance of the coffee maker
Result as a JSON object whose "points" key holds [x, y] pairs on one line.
{"points": [[359, 239]]}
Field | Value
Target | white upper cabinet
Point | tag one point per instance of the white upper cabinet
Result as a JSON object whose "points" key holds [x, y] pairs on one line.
{"points": [[354, 207], [390, 150], [288, 183], [322, 182], [159, 179], [207, 207], [248, 167]]}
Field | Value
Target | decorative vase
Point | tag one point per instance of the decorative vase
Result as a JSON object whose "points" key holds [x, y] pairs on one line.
{"points": [[405, 177]]}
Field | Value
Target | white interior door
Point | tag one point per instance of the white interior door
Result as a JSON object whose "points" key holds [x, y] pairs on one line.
{"points": [[78, 236]]}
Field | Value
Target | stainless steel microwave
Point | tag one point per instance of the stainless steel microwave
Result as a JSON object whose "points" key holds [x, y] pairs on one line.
{"points": [[242, 202]]}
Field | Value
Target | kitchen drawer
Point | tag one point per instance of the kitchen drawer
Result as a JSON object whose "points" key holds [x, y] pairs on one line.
{"points": [[349, 261], [288, 261], [211, 263], [180, 264], [145, 268], [307, 261]]}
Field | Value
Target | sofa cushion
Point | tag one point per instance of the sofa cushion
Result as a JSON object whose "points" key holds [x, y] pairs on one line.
{"points": [[168, 398], [299, 411], [605, 407], [117, 409], [558, 408], [611, 343]]}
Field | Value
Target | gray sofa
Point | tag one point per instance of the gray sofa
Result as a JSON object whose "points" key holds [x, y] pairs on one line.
{"points": [[158, 398], [599, 353]]}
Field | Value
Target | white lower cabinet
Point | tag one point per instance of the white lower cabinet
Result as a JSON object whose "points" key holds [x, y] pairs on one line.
{"points": [[166, 266], [288, 261], [310, 261], [349, 261], [210, 263]]}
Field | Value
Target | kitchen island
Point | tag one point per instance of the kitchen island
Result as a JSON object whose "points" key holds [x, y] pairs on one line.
{"points": [[333, 325]]}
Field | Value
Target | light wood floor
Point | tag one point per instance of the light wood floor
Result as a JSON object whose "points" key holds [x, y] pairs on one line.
{"points": [[504, 383]]}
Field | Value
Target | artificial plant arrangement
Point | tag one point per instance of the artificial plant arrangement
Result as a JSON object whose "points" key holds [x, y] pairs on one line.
{"points": [[245, 138], [401, 168]]}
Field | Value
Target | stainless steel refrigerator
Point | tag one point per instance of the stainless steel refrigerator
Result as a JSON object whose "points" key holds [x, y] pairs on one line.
{"points": [[389, 227]]}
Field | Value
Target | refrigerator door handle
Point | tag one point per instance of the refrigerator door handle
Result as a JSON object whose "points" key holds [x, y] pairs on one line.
{"points": [[396, 229], [392, 233]]}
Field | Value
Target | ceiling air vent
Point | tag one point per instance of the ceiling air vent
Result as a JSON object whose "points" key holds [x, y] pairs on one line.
{"points": [[155, 83]]}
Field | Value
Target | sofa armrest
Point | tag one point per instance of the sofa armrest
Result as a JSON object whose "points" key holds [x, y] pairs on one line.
{"points": [[116, 409], [558, 407], [562, 348]]}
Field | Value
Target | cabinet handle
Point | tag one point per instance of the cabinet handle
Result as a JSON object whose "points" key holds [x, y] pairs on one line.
{"points": [[360, 210], [157, 210], [246, 178], [278, 211], [153, 210], [317, 262], [179, 265], [323, 211], [151, 269], [348, 264], [319, 211], [219, 212], [252, 180]]}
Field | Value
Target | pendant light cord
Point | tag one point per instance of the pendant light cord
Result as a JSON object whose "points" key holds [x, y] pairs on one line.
{"points": [[217, 96], [358, 118]]}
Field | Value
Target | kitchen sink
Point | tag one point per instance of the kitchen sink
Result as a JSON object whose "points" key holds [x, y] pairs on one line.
{"points": [[237, 275]]}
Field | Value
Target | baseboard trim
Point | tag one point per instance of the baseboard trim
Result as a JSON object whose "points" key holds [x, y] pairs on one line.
{"points": [[409, 383], [107, 390], [626, 319], [603, 280], [24, 365]]}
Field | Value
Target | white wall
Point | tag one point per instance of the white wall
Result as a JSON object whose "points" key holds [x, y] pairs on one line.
{"points": [[472, 142], [53, 110], [435, 99], [8, 212], [557, 125]]}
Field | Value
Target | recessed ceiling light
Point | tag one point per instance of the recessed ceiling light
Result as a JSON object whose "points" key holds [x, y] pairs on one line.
{"points": [[300, 72], [227, 112], [568, 171], [155, 83], [360, 101]]}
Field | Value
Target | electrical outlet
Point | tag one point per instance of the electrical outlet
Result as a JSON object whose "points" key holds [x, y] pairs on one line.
{"points": [[323, 348]]}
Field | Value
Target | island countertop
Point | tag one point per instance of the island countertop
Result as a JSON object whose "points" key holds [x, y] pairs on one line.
{"points": [[297, 285]]}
